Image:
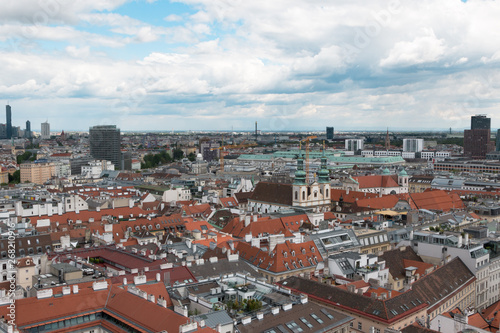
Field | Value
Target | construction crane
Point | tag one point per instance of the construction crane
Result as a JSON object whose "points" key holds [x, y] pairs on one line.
{"points": [[223, 148], [306, 140]]}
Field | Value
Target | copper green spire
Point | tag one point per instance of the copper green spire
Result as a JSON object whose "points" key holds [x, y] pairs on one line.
{"points": [[300, 174]]}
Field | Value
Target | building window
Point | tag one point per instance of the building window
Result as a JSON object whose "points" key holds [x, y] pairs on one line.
{"points": [[360, 326]]}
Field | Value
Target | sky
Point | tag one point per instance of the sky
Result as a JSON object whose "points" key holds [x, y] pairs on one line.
{"points": [[223, 64]]}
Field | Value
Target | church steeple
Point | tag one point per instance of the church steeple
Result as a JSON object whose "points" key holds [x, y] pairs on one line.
{"points": [[300, 174], [323, 173]]}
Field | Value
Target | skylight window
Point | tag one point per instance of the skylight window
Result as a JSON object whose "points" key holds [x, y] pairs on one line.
{"points": [[326, 313], [318, 319], [305, 321]]}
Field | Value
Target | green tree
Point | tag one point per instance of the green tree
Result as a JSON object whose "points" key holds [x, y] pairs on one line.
{"points": [[27, 155], [153, 160], [192, 157], [178, 154], [15, 178]]}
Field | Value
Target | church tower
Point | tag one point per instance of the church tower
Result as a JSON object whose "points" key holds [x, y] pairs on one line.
{"points": [[403, 180], [299, 184], [324, 178]]}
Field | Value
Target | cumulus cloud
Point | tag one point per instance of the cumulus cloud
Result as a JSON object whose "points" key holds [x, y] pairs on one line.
{"points": [[289, 63], [422, 49]]}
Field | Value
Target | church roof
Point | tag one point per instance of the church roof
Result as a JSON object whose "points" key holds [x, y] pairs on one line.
{"points": [[276, 193]]}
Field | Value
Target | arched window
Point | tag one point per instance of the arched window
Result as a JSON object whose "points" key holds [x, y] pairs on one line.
{"points": [[326, 193], [296, 195], [303, 195]]}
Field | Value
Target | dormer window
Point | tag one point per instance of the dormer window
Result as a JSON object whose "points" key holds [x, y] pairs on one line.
{"points": [[285, 254], [293, 253]]}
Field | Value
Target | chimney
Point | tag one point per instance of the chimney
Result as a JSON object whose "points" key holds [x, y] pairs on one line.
{"points": [[255, 218], [466, 239], [158, 279], [460, 241], [351, 288], [75, 289], [389, 294], [124, 281], [247, 221], [374, 295]]}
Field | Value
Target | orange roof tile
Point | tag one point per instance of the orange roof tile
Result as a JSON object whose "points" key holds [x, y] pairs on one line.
{"points": [[421, 266], [295, 256], [376, 181], [383, 202], [436, 200]]}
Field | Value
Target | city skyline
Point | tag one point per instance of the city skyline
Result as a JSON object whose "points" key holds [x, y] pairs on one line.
{"points": [[213, 65]]}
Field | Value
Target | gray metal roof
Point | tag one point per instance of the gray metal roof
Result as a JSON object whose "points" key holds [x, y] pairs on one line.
{"points": [[212, 319]]}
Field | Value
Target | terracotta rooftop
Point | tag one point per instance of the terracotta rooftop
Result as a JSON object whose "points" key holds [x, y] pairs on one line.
{"points": [[273, 192], [434, 287], [377, 181], [436, 200]]}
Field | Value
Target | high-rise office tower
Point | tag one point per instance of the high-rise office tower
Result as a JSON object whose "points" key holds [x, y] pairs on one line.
{"points": [[45, 130], [329, 133], [480, 121], [413, 145], [498, 140], [354, 144], [27, 133], [105, 144], [8, 113], [477, 140]]}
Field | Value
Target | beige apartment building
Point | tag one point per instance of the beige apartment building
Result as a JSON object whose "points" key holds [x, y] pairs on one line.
{"points": [[37, 172]]}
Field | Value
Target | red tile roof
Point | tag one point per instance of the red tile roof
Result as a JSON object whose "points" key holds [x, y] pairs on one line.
{"points": [[377, 181], [295, 256], [422, 267], [284, 225], [436, 200], [203, 210], [383, 202], [157, 289], [352, 196], [493, 313], [85, 215], [229, 202]]}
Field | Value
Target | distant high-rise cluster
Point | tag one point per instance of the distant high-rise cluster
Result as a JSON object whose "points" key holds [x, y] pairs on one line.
{"points": [[45, 130], [329, 133], [8, 112], [7, 131], [477, 142], [105, 143]]}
